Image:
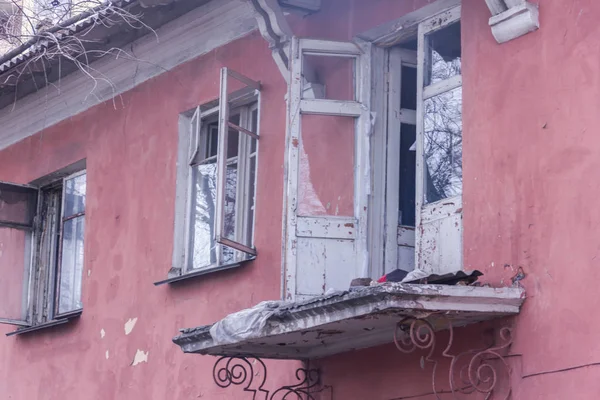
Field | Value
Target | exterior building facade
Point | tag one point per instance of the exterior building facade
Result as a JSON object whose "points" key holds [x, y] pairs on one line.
{"points": [[220, 191]]}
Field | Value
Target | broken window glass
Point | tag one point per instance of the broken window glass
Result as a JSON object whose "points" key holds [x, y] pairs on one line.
{"points": [[328, 77], [442, 54], [443, 145]]}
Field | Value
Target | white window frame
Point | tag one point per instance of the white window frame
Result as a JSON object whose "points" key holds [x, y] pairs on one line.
{"points": [[383, 231], [442, 257], [59, 257], [40, 303], [327, 228], [193, 127], [396, 234]]}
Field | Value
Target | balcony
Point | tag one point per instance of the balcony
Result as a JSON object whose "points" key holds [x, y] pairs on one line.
{"points": [[348, 320]]}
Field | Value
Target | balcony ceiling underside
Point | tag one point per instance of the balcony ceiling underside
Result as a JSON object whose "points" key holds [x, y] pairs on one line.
{"points": [[350, 320]]}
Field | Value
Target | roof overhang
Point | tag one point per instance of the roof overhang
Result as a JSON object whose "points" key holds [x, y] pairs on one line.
{"points": [[351, 320], [23, 72]]}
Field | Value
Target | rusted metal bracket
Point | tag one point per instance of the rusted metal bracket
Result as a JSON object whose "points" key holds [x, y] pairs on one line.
{"points": [[251, 374], [473, 372]]}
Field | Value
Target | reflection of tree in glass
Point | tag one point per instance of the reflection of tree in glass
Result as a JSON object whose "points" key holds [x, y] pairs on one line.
{"points": [[443, 134], [72, 244], [205, 213]]}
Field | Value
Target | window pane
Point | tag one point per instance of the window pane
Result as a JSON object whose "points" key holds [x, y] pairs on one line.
{"points": [[254, 129], [326, 173], [231, 200], [75, 195], [233, 143], [408, 158], [443, 145], [204, 197], [328, 77], [251, 200], [408, 95], [17, 204], [71, 270], [14, 273], [442, 54]]}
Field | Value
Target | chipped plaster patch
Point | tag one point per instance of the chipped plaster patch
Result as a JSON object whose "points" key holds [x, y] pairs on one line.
{"points": [[140, 357], [106, 355], [102, 333], [129, 325]]}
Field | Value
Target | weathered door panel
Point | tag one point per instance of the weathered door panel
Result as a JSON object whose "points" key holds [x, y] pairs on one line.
{"points": [[439, 145], [324, 264], [440, 240], [327, 166]]}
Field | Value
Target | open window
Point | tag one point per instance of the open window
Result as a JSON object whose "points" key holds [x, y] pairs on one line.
{"points": [[42, 236], [214, 227], [423, 198], [439, 145], [18, 206]]}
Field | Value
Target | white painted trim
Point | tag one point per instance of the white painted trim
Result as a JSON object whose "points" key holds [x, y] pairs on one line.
{"points": [[379, 107], [326, 227], [275, 30], [179, 260], [405, 236], [446, 208], [440, 21], [362, 180], [331, 107], [405, 27], [193, 34], [396, 117], [515, 22], [442, 87], [245, 102], [408, 57], [331, 48], [245, 136], [392, 165], [362, 168], [407, 116], [496, 6], [222, 161], [290, 266]]}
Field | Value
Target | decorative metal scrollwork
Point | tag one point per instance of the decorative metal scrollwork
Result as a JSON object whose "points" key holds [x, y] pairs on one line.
{"points": [[471, 371], [251, 373]]}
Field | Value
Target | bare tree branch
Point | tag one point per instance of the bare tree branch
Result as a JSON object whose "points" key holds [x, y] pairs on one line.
{"points": [[51, 32]]}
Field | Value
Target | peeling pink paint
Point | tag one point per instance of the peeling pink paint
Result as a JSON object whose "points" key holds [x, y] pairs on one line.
{"points": [[531, 155]]}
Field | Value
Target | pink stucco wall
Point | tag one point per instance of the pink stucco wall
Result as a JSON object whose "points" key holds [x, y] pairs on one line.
{"points": [[131, 159], [530, 156]]}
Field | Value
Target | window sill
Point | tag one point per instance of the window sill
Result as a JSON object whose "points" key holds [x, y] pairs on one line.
{"points": [[45, 325], [208, 270]]}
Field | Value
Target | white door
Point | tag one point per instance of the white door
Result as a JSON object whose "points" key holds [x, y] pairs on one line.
{"points": [[327, 166], [439, 145], [401, 148]]}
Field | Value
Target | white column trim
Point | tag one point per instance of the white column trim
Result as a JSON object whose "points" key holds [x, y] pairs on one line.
{"points": [[512, 18]]}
